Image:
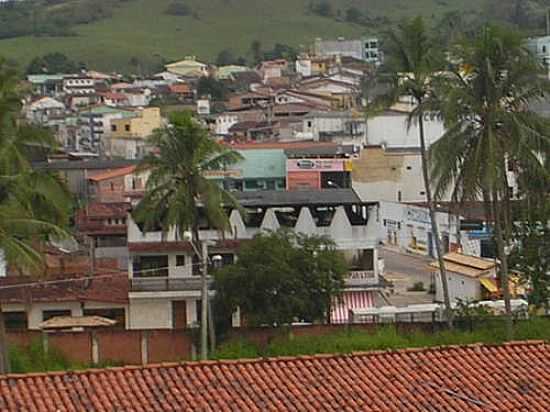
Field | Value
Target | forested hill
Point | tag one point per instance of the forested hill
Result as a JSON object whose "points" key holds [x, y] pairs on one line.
{"points": [[141, 34]]}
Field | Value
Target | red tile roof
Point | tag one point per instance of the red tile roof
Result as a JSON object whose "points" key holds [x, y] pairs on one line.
{"points": [[477, 378], [111, 286]]}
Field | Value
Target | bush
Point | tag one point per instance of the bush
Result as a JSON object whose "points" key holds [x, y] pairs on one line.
{"points": [[417, 287], [35, 359], [178, 8]]}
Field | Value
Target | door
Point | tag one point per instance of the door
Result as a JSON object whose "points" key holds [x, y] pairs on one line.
{"points": [[179, 314]]}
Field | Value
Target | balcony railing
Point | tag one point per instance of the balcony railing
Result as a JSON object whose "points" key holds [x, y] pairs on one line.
{"points": [[361, 278], [165, 284]]}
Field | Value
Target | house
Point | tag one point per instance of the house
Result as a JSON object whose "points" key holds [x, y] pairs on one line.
{"points": [[78, 85], [454, 378], [46, 84], [228, 72], [256, 131], [182, 91], [94, 127], [259, 169], [117, 185], [390, 174], [163, 270], [26, 307], [188, 68], [408, 227], [43, 110], [128, 135], [271, 69], [75, 173], [469, 278], [105, 226], [248, 100], [113, 99], [316, 168], [366, 49], [391, 128], [346, 93], [540, 47], [343, 127], [320, 101]]}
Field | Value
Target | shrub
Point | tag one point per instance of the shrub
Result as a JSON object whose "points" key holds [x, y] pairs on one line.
{"points": [[178, 8]]}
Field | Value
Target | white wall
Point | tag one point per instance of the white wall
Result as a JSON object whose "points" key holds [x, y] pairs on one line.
{"points": [[391, 130], [150, 314], [460, 287]]}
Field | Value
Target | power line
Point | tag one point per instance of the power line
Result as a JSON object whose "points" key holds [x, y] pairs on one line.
{"points": [[105, 275]]}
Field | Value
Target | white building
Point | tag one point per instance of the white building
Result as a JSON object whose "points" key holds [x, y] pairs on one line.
{"points": [[344, 127], [78, 85], [44, 109], [164, 274], [366, 49]]}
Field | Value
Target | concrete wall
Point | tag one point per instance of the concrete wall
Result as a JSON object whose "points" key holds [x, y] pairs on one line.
{"points": [[460, 287], [391, 129], [156, 313], [35, 309]]}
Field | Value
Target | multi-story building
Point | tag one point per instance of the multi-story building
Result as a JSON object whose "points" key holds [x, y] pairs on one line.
{"points": [[366, 49], [129, 134], [164, 270], [95, 127]]}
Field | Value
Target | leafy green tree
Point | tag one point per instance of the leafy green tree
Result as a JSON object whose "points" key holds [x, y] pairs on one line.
{"points": [[33, 205], [413, 61], [281, 51], [52, 63], [280, 278], [210, 86], [177, 194], [354, 15], [256, 51], [226, 57], [485, 102]]}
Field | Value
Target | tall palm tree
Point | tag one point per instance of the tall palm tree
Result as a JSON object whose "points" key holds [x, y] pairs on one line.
{"points": [[33, 205], [413, 61], [486, 102], [178, 195]]}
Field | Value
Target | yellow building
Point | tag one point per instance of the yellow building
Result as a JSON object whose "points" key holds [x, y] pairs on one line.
{"points": [[128, 135]]}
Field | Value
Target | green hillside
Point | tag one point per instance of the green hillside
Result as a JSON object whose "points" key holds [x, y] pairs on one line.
{"points": [[140, 32]]}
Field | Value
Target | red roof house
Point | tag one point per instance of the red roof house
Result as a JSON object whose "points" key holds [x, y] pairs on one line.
{"points": [[476, 378]]}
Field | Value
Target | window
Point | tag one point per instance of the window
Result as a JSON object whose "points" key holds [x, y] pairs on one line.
{"points": [[112, 187], [399, 196], [113, 128], [48, 314], [198, 306], [271, 185], [422, 193], [127, 127], [309, 124], [253, 184], [180, 260], [409, 167], [15, 320], [150, 266]]}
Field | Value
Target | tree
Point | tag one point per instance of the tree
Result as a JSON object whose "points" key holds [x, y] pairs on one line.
{"points": [[256, 51], [282, 277], [52, 63], [209, 86], [485, 102], [226, 57], [354, 15], [33, 205], [178, 195], [323, 9], [413, 61]]}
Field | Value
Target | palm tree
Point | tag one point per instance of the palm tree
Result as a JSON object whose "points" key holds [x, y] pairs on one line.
{"points": [[413, 62], [33, 205], [178, 195], [485, 102]]}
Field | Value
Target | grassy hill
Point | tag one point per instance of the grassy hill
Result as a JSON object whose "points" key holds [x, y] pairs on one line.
{"points": [[140, 29]]}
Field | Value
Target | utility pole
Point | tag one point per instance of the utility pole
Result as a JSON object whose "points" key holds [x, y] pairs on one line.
{"points": [[204, 300]]}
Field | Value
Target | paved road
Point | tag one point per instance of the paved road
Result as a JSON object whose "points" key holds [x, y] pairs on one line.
{"points": [[404, 270]]}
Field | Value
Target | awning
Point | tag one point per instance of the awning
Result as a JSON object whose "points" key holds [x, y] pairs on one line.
{"points": [[69, 322], [489, 284], [350, 300]]}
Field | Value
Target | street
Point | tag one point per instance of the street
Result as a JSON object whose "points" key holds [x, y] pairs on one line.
{"points": [[404, 270]]}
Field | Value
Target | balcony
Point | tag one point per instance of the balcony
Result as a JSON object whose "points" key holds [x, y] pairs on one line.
{"points": [[361, 279], [166, 284]]}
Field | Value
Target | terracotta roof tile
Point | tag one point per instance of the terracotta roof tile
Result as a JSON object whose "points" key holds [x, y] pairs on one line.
{"points": [[477, 378]]}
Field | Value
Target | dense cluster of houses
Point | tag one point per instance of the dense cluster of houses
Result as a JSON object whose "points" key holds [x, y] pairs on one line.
{"points": [[312, 161]]}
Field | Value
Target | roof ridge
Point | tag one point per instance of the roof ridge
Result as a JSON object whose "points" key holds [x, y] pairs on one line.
{"points": [[275, 359]]}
